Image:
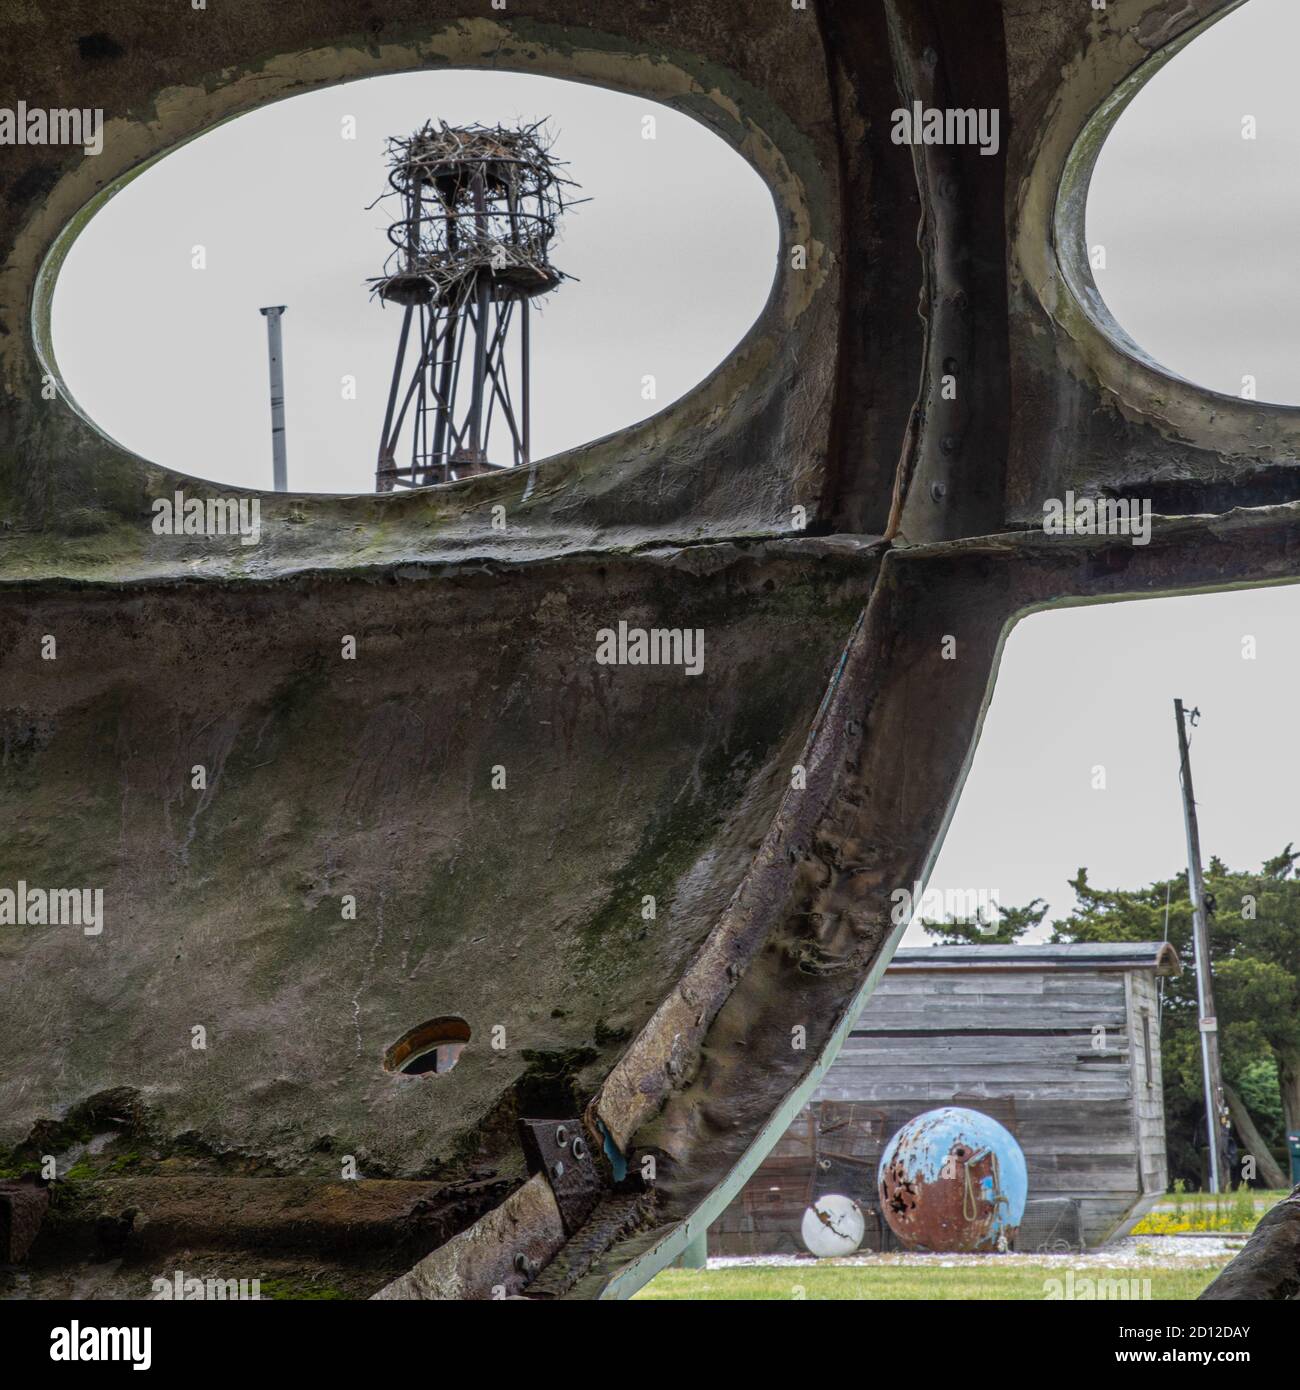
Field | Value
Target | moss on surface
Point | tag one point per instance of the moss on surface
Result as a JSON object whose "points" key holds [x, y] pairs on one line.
{"points": [[289, 1289], [519, 907]]}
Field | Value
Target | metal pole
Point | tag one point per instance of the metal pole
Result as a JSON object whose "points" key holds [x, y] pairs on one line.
{"points": [[476, 440], [1207, 1022], [387, 446], [279, 463], [526, 384], [449, 322], [696, 1254]]}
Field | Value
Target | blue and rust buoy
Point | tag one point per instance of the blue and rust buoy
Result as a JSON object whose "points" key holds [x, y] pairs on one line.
{"points": [[953, 1180]]}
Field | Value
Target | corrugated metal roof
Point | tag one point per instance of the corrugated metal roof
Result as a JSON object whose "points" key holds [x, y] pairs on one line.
{"points": [[1156, 956]]}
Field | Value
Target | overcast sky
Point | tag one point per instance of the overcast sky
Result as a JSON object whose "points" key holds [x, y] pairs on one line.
{"points": [[676, 256], [1199, 228], [1199, 224]]}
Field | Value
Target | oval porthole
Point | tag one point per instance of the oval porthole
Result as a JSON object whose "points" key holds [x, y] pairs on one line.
{"points": [[669, 254], [1191, 209], [431, 1049]]}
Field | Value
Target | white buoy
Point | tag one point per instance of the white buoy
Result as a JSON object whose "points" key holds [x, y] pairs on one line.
{"points": [[833, 1225]]}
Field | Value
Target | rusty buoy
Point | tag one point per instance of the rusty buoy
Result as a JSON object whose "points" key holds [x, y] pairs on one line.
{"points": [[953, 1179]]}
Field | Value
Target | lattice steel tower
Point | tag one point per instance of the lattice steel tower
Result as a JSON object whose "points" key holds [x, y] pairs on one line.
{"points": [[479, 208]]}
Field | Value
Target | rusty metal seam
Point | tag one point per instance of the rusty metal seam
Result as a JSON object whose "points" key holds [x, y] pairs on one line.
{"points": [[661, 1054]]}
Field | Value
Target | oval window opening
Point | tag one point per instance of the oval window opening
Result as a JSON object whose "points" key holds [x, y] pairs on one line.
{"points": [[421, 272], [430, 1049], [1192, 208]]}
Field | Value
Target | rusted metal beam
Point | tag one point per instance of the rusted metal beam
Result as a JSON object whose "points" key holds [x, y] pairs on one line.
{"points": [[497, 1257], [161, 1213], [951, 55]]}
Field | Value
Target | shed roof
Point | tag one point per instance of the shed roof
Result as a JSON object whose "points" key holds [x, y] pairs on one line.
{"points": [[1157, 956]]}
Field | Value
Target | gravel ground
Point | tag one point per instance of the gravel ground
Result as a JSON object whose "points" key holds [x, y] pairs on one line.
{"points": [[1135, 1252]]}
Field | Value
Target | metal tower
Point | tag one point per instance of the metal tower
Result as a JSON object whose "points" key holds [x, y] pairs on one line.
{"points": [[479, 208]]}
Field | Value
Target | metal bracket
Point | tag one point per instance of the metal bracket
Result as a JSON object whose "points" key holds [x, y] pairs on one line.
{"points": [[559, 1148]]}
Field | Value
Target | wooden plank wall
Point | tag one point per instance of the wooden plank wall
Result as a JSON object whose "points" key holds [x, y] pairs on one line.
{"points": [[1148, 1084], [1047, 1052]]}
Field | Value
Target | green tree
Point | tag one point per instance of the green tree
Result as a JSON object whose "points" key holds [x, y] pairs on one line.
{"points": [[1258, 1084], [1007, 927], [1254, 924]]}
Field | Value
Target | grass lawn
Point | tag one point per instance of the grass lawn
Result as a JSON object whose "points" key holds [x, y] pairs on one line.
{"points": [[867, 1282], [1262, 1196]]}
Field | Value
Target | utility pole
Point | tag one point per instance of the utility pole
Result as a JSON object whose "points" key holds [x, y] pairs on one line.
{"points": [[279, 463], [1208, 1024]]}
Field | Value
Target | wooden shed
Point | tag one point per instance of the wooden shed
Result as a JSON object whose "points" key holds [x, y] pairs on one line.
{"points": [[1059, 1043]]}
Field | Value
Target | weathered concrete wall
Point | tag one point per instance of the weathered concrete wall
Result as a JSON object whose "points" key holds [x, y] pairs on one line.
{"points": [[476, 647], [518, 908], [165, 77]]}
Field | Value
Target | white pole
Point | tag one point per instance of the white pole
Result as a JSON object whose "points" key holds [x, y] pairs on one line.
{"points": [[279, 461]]}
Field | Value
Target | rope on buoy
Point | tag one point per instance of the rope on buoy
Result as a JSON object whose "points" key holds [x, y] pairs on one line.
{"points": [[969, 1200]]}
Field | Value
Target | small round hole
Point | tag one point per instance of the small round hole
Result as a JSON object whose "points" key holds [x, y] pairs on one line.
{"points": [[430, 1049]]}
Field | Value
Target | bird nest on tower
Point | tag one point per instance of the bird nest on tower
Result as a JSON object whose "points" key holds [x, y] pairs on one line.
{"points": [[477, 203]]}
